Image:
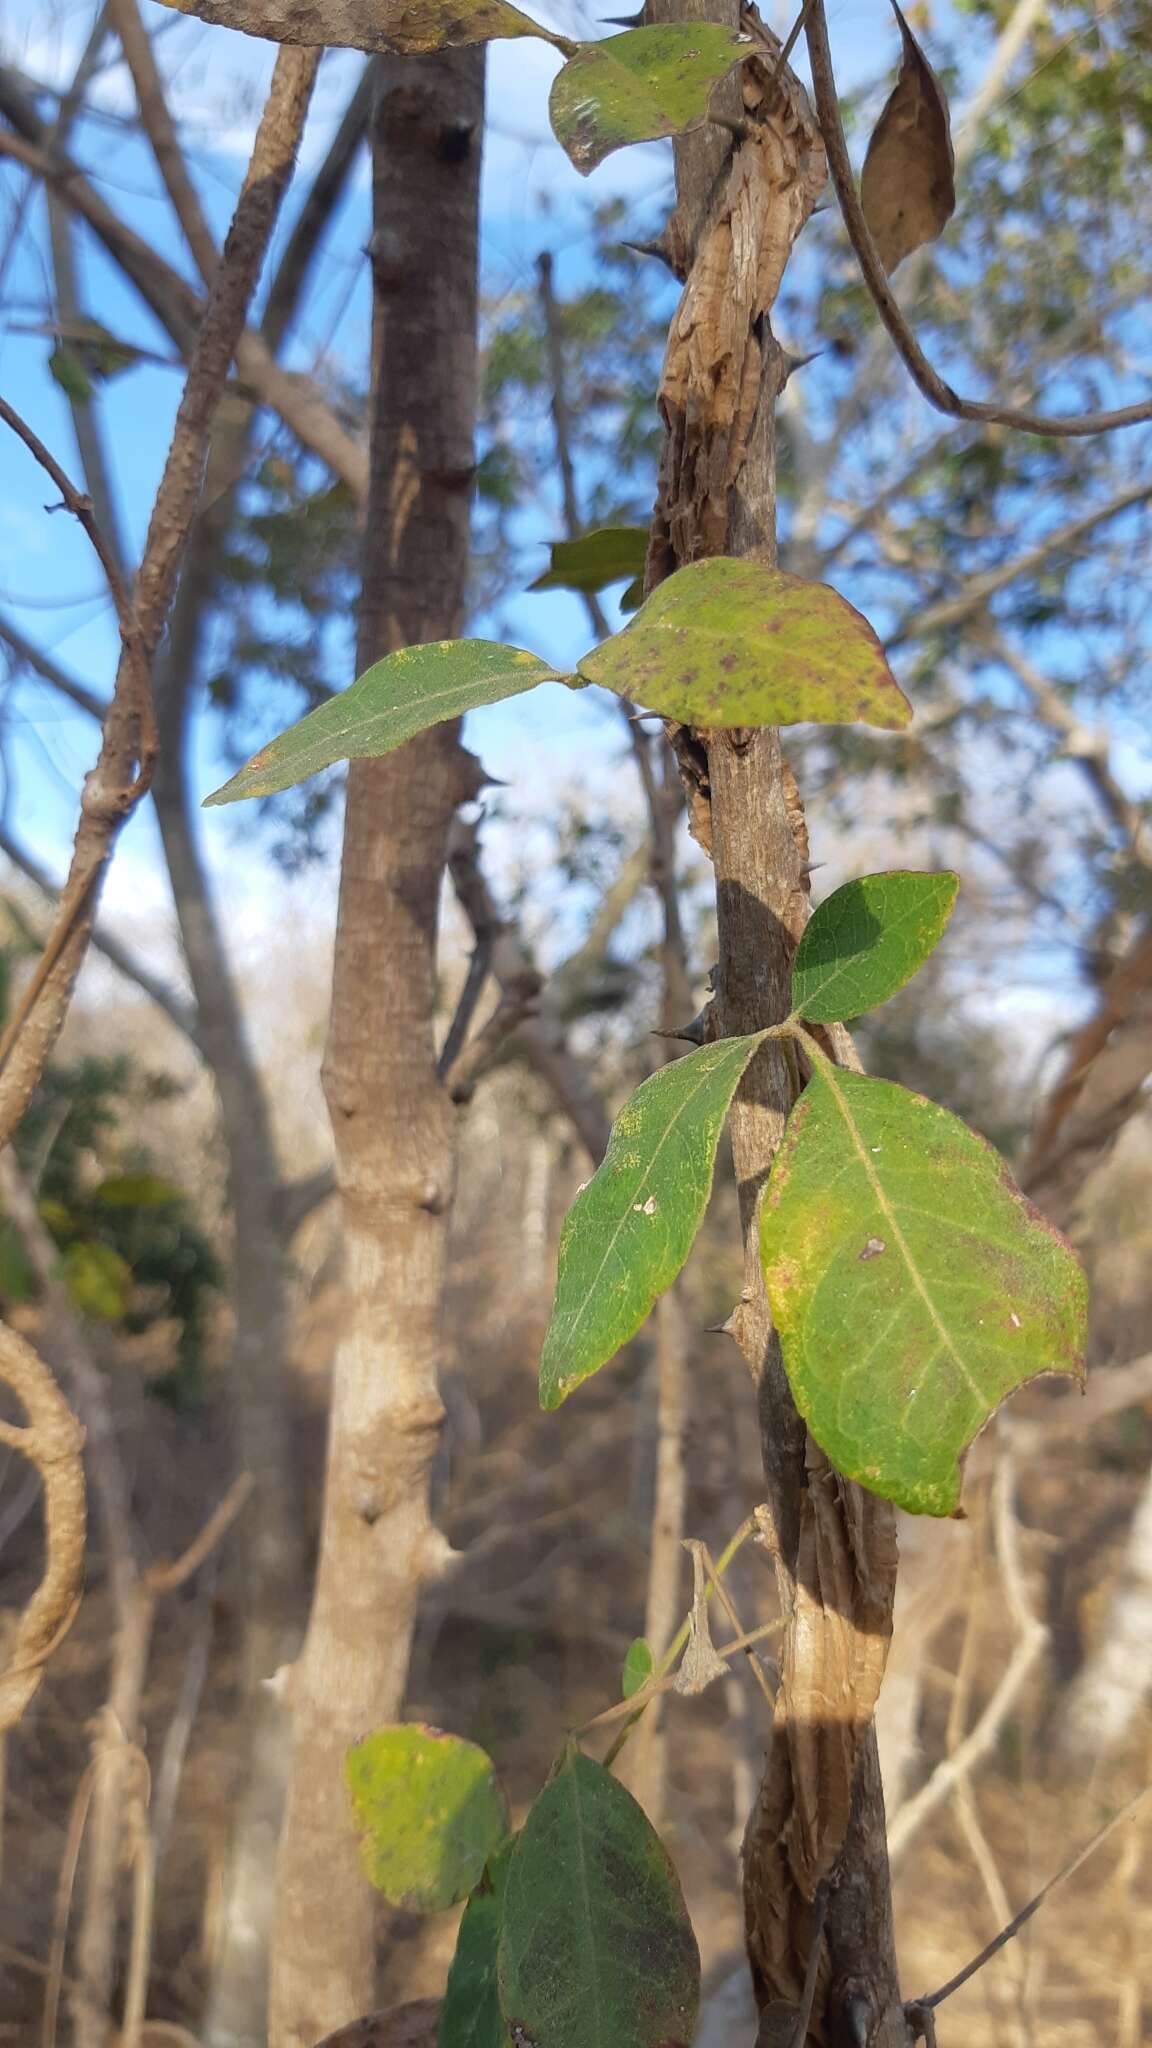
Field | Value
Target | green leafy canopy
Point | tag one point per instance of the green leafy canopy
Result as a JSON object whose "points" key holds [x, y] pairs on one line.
{"points": [[912, 1284]]}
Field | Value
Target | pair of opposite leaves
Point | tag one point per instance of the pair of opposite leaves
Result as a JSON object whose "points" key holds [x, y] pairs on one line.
{"points": [[639, 86]]}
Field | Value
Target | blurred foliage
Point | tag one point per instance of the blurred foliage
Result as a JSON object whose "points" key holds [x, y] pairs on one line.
{"points": [[131, 1252]]}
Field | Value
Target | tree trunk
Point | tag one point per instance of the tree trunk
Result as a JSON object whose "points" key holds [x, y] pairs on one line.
{"points": [[817, 1833], [393, 1125]]}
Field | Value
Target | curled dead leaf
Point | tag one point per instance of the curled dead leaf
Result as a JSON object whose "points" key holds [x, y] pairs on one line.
{"points": [[701, 1662], [906, 188]]}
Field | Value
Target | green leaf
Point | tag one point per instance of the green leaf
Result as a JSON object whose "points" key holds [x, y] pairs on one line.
{"points": [[597, 1949], [137, 1191], [912, 1284], [409, 27], [724, 643], [630, 1230], [609, 555], [67, 368], [470, 2016], [399, 696], [431, 1812], [98, 1279], [639, 1665], [867, 940], [636, 87]]}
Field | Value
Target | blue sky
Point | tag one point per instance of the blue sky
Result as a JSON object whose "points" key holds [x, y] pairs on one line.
{"points": [[49, 583]]}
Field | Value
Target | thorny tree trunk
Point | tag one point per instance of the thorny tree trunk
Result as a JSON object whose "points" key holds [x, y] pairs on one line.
{"points": [[819, 1820], [393, 1124]]}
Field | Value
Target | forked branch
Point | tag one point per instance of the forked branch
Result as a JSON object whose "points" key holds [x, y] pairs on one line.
{"points": [[924, 376]]}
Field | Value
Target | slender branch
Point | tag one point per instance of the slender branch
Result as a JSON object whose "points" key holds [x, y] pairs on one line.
{"points": [[175, 1008], [112, 790], [294, 396], [160, 130], [953, 611], [316, 212], [52, 1440], [1032, 1639], [41, 664], [1022, 1918], [1090, 750], [924, 376]]}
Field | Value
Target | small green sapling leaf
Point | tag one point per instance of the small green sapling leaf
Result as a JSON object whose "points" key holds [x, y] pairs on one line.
{"points": [[631, 1228], [470, 2015], [431, 1813], [639, 86], [727, 643], [402, 695], [638, 1667], [597, 1950], [912, 1284], [867, 940], [610, 554]]}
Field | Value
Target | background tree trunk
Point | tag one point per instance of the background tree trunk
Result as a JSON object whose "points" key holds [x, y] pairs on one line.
{"points": [[393, 1124]]}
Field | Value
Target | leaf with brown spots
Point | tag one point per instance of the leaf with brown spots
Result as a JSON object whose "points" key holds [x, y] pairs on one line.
{"points": [[913, 1285], [408, 27], [906, 188], [728, 643]]}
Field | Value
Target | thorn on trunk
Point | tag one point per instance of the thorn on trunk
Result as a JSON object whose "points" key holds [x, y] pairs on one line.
{"points": [[791, 363], [694, 1033], [661, 248]]}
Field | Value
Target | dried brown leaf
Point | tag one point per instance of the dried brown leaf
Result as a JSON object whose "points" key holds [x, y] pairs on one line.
{"points": [[907, 189], [701, 1662]]}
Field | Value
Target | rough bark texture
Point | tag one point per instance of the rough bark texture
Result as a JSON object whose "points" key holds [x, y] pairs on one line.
{"points": [[819, 1820], [393, 1124]]}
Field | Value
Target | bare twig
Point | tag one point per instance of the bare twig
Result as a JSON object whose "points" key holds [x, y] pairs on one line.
{"points": [[1032, 1638], [1007, 1934], [113, 789], [174, 302], [977, 590], [158, 126], [925, 377], [52, 1440], [174, 1005]]}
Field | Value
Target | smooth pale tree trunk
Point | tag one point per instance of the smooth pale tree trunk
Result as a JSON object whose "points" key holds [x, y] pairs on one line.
{"points": [[393, 1125]]}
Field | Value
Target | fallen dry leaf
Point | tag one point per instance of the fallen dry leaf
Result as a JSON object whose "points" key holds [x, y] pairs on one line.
{"points": [[906, 189]]}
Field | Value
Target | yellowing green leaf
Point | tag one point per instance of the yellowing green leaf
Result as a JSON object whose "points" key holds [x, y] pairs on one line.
{"points": [[630, 1230], [610, 554], [867, 940], [728, 643], [137, 1191], [638, 86], [409, 27], [596, 1950], [399, 696], [98, 1279], [912, 1284], [431, 1813]]}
